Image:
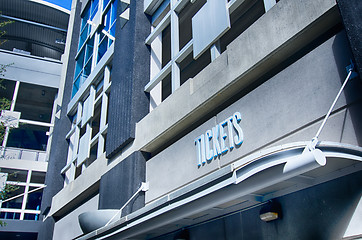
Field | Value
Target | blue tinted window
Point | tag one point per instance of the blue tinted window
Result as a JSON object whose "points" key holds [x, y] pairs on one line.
{"points": [[102, 48], [79, 63], [105, 2], [94, 8], [107, 33], [85, 48]]}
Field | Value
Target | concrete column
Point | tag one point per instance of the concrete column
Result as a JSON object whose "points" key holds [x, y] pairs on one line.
{"points": [[156, 66], [128, 103], [175, 45]]}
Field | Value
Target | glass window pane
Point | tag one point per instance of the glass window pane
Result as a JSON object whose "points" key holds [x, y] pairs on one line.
{"points": [[87, 70], [93, 155], [79, 63], [99, 87], [83, 36], [96, 120], [102, 48], [30, 216], [14, 203], [34, 199], [113, 30], [28, 137], [85, 16], [15, 175], [89, 50], [9, 215], [107, 20], [37, 177], [105, 2], [94, 9], [114, 11], [76, 86]]}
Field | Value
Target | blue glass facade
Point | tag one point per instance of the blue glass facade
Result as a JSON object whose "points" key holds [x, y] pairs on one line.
{"points": [[101, 39]]}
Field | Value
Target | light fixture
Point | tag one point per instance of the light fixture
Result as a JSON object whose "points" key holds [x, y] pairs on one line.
{"points": [[312, 157], [271, 211]]}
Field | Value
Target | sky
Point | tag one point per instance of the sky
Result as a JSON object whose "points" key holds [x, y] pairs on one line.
{"points": [[62, 3]]}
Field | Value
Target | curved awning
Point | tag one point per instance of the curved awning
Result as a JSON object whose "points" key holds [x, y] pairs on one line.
{"points": [[246, 183]]}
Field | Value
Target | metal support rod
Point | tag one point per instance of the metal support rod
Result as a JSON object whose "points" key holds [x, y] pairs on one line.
{"points": [[143, 187], [5, 140], [36, 123], [34, 190], [334, 103], [314, 141], [15, 96]]}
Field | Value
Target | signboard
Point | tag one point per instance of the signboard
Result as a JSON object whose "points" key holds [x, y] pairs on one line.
{"points": [[219, 140], [10, 118]]}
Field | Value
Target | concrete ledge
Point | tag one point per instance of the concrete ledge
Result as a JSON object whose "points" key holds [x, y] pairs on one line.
{"points": [[277, 35], [43, 71], [76, 191], [24, 165]]}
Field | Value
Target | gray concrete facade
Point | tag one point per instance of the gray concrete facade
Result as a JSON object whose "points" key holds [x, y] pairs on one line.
{"points": [[281, 74], [246, 59], [316, 78], [68, 227]]}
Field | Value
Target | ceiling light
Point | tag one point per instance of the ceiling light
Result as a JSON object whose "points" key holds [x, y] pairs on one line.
{"points": [[271, 211]]}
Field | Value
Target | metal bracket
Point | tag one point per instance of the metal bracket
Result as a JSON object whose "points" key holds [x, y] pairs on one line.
{"points": [[144, 187], [351, 68]]}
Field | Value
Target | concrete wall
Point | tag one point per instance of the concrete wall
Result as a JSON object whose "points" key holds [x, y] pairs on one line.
{"points": [[274, 37], [30, 69], [289, 106], [23, 226], [121, 182], [211, 87], [68, 227], [247, 59]]}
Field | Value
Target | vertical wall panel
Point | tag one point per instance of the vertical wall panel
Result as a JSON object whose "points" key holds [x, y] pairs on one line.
{"points": [[131, 60], [121, 182]]}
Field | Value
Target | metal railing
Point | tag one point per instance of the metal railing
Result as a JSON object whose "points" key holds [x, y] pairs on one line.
{"points": [[24, 154]]}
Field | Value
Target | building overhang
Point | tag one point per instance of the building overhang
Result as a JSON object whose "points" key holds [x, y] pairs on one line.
{"points": [[244, 184]]}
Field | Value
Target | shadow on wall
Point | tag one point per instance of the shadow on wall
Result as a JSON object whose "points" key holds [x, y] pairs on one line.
{"points": [[343, 56]]}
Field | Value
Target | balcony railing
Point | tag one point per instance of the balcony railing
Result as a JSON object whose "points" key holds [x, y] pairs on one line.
{"points": [[24, 154]]}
